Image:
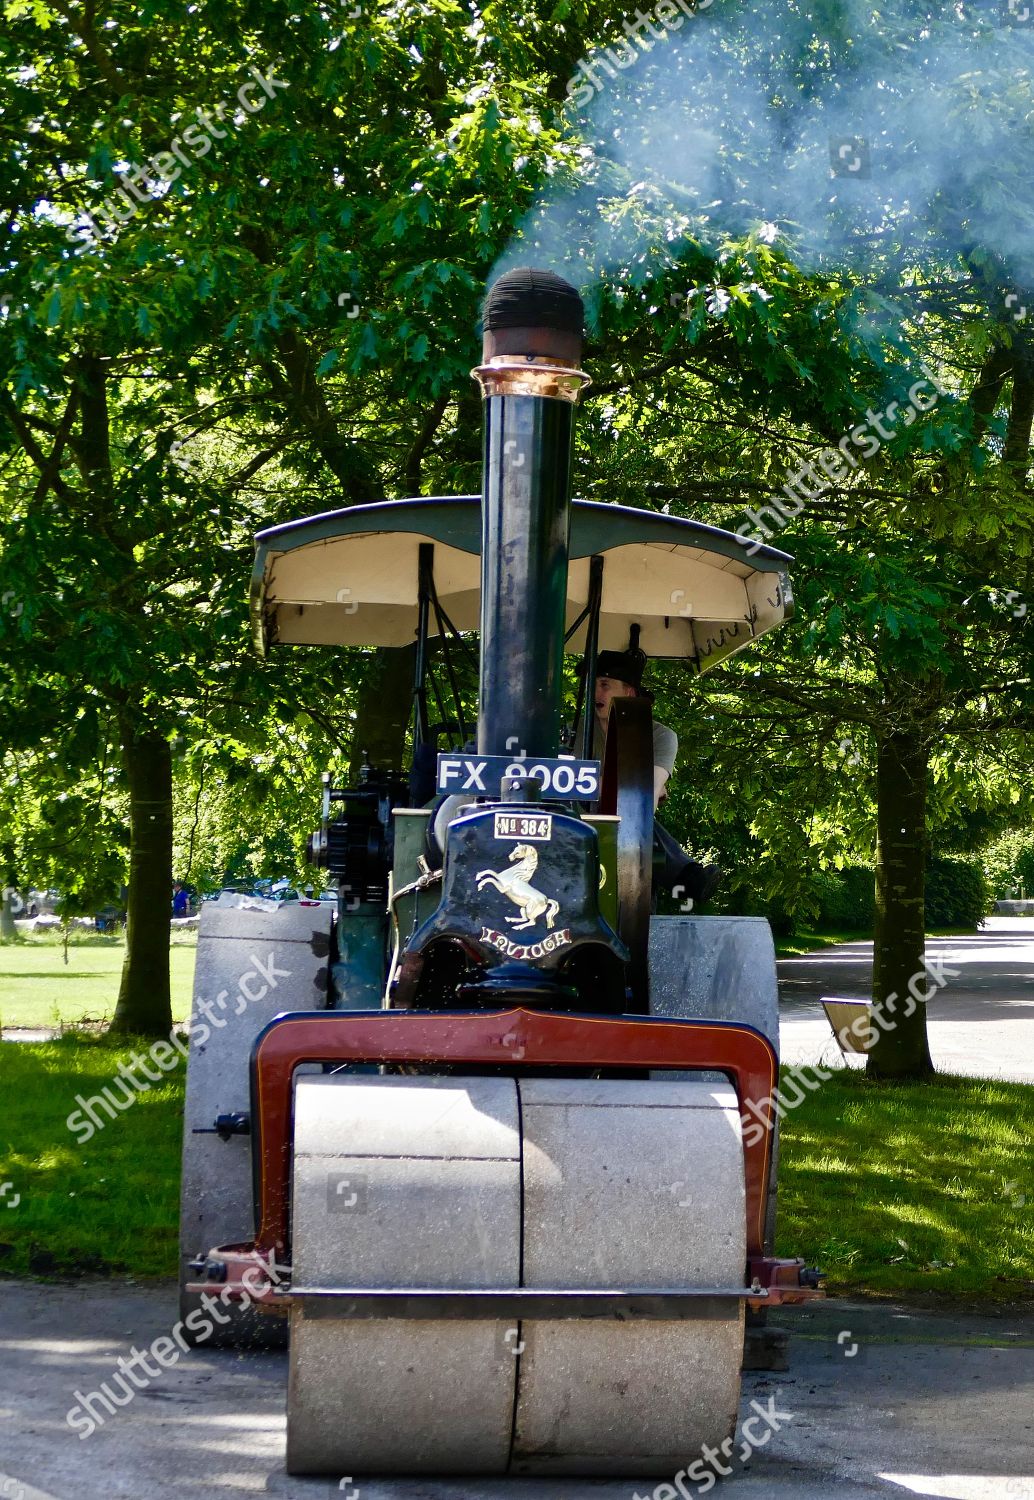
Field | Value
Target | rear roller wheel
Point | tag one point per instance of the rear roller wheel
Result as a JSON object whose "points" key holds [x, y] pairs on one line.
{"points": [[496, 1182], [402, 1182]]}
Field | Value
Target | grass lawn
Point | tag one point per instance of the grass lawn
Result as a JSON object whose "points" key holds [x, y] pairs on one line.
{"points": [[37, 988], [810, 941], [893, 1189], [906, 1189], [108, 1206]]}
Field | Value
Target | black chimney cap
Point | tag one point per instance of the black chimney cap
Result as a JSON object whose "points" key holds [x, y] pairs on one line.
{"points": [[527, 298]]}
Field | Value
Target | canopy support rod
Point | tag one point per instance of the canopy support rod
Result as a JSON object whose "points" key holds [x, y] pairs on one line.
{"points": [[440, 702], [440, 614], [576, 624], [587, 686], [443, 634], [425, 588]]}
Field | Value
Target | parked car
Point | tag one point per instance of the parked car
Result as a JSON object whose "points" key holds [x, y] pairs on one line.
{"points": [[34, 903], [271, 890], [284, 891], [109, 919]]}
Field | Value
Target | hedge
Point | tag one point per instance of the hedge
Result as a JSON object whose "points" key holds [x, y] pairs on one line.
{"points": [[957, 894]]}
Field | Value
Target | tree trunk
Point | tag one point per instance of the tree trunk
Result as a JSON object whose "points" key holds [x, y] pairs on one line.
{"points": [[987, 391], [1016, 454], [900, 1048], [8, 931], [307, 403], [144, 1001], [385, 706]]}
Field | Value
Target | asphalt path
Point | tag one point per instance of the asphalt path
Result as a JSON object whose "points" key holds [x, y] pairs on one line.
{"points": [[981, 1022], [878, 1401]]}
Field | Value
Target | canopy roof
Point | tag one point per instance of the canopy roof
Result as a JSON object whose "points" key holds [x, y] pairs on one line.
{"points": [[349, 578]]}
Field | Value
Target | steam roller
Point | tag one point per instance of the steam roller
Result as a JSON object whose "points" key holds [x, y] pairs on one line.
{"points": [[497, 1144]]}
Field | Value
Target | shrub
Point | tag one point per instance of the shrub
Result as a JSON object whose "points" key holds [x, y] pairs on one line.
{"points": [[846, 899], [957, 894], [738, 899], [829, 900]]}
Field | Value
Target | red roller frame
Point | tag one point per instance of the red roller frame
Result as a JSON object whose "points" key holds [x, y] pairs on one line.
{"points": [[506, 1038]]}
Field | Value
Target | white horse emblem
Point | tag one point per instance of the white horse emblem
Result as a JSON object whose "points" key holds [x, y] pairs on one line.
{"points": [[514, 883]]}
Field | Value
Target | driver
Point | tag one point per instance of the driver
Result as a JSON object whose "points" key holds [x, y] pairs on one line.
{"points": [[619, 674]]}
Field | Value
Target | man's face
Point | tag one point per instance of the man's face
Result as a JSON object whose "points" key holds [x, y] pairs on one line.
{"points": [[608, 688]]}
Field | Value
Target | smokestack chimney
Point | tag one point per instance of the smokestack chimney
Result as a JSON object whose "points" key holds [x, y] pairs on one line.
{"points": [[531, 381]]}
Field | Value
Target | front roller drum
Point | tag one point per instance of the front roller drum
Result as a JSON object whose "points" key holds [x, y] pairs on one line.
{"points": [[494, 1183]]}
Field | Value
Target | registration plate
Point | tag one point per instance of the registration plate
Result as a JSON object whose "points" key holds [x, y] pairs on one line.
{"points": [[532, 827], [565, 778]]}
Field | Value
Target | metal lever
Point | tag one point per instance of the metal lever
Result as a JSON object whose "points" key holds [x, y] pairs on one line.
{"points": [[238, 1122]]}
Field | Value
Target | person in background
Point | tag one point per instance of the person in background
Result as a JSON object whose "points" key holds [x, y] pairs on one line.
{"points": [[619, 674], [180, 900]]}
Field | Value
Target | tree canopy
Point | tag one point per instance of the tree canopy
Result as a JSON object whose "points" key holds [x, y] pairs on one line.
{"points": [[245, 247]]}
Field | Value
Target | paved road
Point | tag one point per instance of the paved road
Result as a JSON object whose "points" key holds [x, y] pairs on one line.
{"points": [[879, 1401], [981, 1022]]}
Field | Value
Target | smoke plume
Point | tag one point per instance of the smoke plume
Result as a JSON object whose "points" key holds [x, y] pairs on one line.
{"points": [[852, 136]]}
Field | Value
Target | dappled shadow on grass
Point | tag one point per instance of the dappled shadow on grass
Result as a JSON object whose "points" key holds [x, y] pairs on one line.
{"points": [[892, 1188], [45, 978], [899, 1187], [38, 990], [108, 1204]]}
